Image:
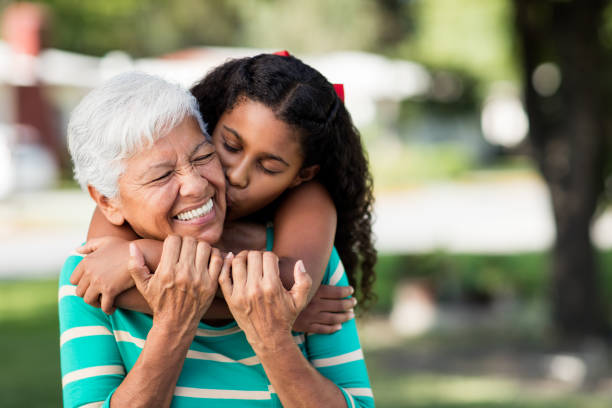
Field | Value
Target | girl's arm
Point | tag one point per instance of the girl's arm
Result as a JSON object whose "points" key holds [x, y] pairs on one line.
{"points": [[108, 253], [305, 228]]}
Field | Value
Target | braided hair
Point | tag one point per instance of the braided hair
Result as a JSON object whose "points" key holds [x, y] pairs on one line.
{"points": [[303, 98]]}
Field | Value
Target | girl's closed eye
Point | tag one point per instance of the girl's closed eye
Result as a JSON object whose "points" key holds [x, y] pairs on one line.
{"points": [[267, 170], [230, 148]]}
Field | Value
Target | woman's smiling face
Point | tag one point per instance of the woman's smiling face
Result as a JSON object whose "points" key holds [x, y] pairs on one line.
{"points": [[174, 187], [260, 154]]}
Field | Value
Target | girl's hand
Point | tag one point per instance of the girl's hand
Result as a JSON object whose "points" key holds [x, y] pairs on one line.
{"points": [[327, 310], [184, 283], [263, 308], [102, 274]]}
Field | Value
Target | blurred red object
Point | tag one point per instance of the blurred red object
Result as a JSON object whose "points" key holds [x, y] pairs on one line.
{"points": [[22, 24]]}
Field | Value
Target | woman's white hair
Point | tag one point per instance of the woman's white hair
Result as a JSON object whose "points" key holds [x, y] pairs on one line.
{"points": [[125, 114]]}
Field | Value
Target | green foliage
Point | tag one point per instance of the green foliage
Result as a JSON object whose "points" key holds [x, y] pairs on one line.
{"points": [[309, 26], [401, 165], [470, 35], [457, 277], [152, 27]]}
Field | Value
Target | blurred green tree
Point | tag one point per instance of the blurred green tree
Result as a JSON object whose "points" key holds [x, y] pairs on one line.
{"points": [[569, 132], [153, 27]]}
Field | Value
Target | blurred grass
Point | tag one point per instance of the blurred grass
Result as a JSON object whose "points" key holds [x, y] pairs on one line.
{"points": [[30, 374], [29, 340]]}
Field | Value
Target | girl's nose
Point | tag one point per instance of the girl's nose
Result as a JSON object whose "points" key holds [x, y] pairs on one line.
{"points": [[238, 175]]}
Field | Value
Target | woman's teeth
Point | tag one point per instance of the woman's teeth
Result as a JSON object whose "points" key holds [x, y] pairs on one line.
{"points": [[198, 212]]}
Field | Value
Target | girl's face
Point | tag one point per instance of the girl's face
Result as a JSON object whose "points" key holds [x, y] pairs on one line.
{"points": [[260, 155]]}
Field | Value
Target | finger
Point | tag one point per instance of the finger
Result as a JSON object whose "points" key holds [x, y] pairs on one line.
{"points": [[334, 318], [335, 305], [75, 278], [334, 292], [324, 328], [107, 304], [137, 268], [239, 270], [82, 286], [225, 280], [188, 252], [203, 252], [301, 286], [88, 247], [254, 268], [214, 268], [170, 253], [92, 297], [270, 267]]}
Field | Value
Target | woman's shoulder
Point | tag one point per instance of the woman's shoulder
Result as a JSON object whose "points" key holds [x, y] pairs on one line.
{"points": [[70, 264]]}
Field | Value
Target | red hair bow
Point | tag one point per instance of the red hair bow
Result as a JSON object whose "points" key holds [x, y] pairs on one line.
{"points": [[339, 88]]}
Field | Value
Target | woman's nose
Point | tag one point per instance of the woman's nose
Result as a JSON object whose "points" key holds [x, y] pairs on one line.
{"points": [[193, 183], [238, 176]]}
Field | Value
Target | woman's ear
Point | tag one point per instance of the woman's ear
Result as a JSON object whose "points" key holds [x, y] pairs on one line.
{"points": [[305, 174], [108, 206]]}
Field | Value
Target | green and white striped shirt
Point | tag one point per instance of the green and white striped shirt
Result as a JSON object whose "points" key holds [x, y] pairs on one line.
{"points": [[220, 370]]}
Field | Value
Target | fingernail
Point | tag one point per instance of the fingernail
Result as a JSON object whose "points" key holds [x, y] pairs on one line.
{"points": [[354, 301], [351, 315], [351, 310], [337, 327], [351, 290], [132, 249], [301, 266], [229, 255]]}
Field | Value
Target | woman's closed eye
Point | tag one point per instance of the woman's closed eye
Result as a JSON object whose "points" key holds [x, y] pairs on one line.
{"points": [[163, 177], [203, 158]]}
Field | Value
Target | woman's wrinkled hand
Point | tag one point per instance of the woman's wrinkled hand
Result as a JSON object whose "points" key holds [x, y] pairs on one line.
{"points": [[184, 284], [263, 308], [102, 274], [328, 309]]}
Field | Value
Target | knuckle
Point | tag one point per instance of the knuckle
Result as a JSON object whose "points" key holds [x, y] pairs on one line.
{"points": [[182, 279], [173, 239], [270, 256], [254, 254], [267, 287]]}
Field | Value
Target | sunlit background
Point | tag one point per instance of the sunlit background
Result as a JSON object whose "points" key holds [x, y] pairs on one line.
{"points": [[486, 124]]}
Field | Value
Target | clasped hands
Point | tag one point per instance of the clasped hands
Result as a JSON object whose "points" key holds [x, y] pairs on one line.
{"points": [[102, 275], [190, 272]]}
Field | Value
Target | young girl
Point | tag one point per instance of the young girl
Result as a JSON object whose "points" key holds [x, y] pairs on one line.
{"points": [[292, 155]]}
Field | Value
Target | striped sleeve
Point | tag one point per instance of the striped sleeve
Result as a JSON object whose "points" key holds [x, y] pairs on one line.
{"points": [[339, 356], [91, 365]]}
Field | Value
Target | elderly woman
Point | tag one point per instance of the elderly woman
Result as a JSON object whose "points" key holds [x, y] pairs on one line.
{"points": [[124, 137]]}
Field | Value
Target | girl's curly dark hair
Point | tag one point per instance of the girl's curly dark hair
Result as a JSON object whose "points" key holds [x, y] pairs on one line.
{"points": [[301, 97]]}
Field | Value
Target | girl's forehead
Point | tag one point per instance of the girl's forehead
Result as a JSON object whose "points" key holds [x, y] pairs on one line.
{"points": [[254, 123]]}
